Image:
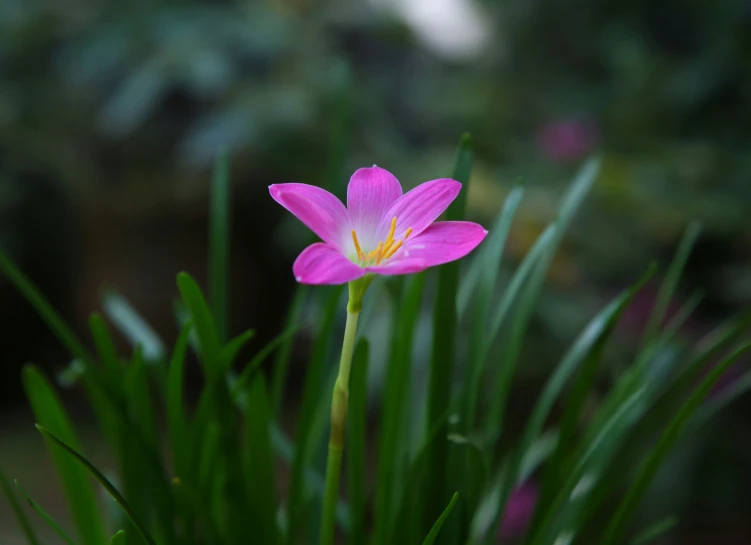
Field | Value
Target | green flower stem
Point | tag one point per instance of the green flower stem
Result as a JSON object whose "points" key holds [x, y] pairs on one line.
{"points": [[339, 402]]}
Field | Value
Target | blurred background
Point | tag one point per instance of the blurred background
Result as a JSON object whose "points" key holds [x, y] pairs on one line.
{"points": [[111, 114]]}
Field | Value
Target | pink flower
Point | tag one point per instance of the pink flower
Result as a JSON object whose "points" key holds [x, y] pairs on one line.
{"points": [[519, 511], [380, 231], [568, 139]]}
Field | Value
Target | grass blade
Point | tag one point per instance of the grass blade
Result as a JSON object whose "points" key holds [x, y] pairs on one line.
{"points": [[132, 325], [391, 444], [357, 433], [658, 529], [15, 505], [570, 204], [284, 357], [105, 346], [232, 349], [204, 324], [56, 324], [118, 538], [244, 378], [620, 520], [47, 518], [259, 463], [490, 260], [443, 355], [108, 486], [670, 283], [590, 342], [439, 523], [219, 245], [50, 413], [177, 425]]}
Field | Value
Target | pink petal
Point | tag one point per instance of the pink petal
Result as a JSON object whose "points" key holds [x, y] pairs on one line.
{"points": [[370, 193], [400, 266], [443, 241], [320, 263], [419, 207], [318, 209]]}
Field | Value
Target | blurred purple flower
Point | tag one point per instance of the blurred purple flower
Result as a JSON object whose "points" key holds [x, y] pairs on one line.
{"points": [[568, 139], [519, 511]]}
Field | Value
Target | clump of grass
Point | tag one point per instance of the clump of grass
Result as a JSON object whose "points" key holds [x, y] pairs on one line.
{"points": [[209, 474]]}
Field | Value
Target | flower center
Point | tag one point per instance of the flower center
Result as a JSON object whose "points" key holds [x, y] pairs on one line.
{"points": [[384, 250]]}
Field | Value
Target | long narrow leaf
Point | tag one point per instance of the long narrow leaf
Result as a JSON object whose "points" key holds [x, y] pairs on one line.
{"points": [[431, 537], [50, 412], [670, 283], [443, 354], [108, 486], [47, 518], [651, 464], [15, 505], [56, 324], [132, 325], [259, 464]]}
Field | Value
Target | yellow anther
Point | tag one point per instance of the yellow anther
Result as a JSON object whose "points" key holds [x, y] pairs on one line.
{"points": [[391, 231], [393, 249], [360, 253], [375, 254], [407, 233]]}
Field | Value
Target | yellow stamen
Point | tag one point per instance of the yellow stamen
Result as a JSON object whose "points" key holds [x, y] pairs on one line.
{"points": [[360, 253], [376, 253], [390, 238], [393, 249], [407, 233]]}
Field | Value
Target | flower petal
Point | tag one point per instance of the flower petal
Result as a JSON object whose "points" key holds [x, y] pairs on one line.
{"points": [[320, 263], [370, 193], [318, 209], [400, 266], [444, 241], [419, 207]]}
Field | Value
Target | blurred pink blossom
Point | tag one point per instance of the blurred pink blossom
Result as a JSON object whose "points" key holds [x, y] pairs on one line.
{"points": [[519, 511], [568, 139]]}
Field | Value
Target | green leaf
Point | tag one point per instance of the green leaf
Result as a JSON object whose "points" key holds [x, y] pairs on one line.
{"points": [[557, 468], [439, 523], [56, 324], [651, 464], [670, 283], [219, 244], [284, 357], [80, 494], [487, 263], [204, 325], [118, 538], [357, 427], [490, 261], [243, 380], [259, 464], [177, 425], [392, 443], [132, 325], [443, 354], [105, 346], [658, 529], [314, 395], [108, 486], [232, 349], [51, 522], [15, 505], [512, 347], [590, 342]]}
